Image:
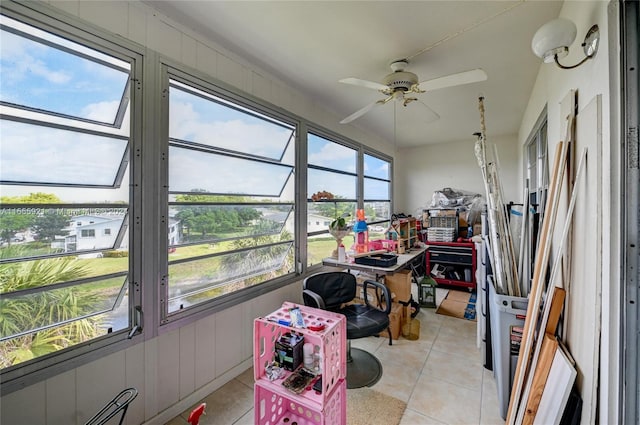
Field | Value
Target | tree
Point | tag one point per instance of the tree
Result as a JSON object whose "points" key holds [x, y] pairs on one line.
{"points": [[212, 219], [32, 198], [12, 223], [261, 259], [41, 309], [47, 226], [334, 209]]}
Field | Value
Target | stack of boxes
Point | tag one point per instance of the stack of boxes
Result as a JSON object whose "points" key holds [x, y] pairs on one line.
{"points": [[399, 285]]}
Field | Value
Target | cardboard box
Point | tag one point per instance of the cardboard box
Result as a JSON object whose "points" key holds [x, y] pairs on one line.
{"points": [[396, 320], [399, 285], [443, 212], [371, 290]]}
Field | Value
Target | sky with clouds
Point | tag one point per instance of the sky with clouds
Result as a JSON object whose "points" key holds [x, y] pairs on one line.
{"points": [[39, 76]]}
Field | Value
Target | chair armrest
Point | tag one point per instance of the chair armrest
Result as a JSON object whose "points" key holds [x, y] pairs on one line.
{"points": [[385, 292], [312, 299]]}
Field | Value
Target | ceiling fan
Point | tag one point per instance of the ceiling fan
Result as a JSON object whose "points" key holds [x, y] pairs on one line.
{"points": [[400, 83]]}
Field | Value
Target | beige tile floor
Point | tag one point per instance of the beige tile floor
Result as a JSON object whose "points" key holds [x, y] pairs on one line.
{"points": [[440, 376]]}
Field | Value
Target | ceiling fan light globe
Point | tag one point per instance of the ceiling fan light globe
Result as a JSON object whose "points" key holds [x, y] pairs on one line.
{"points": [[554, 38]]}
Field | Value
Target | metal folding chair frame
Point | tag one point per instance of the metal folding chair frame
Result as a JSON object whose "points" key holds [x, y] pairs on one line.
{"points": [[119, 403]]}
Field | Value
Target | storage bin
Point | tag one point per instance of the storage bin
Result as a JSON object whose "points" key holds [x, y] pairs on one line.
{"points": [[331, 341], [378, 260], [504, 312], [386, 244], [275, 407]]}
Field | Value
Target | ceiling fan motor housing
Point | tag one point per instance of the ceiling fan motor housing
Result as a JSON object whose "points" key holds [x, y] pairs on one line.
{"points": [[401, 80]]}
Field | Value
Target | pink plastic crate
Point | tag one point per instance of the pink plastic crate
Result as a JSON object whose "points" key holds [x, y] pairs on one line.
{"points": [[332, 341], [275, 407], [387, 244]]}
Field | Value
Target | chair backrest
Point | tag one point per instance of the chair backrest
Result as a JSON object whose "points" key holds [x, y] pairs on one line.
{"points": [[335, 288]]}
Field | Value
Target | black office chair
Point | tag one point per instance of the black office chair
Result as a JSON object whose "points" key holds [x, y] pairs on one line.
{"points": [[330, 291]]}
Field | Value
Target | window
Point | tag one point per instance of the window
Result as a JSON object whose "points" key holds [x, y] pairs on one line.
{"points": [[231, 196], [71, 212], [64, 163], [537, 167], [537, 177], [331, 192], [377, 194]]}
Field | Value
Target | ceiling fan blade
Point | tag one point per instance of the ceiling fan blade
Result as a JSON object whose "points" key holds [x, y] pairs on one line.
{"points": [[458, 79], [364, 110], [363, 83]]}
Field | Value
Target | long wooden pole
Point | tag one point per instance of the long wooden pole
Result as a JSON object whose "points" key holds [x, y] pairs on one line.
{"points": [[509, 252], [541, 264], [551, 311], [523, 234]]}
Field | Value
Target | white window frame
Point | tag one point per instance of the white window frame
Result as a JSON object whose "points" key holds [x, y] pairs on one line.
{"points": [[26, 373], [147, 222]]}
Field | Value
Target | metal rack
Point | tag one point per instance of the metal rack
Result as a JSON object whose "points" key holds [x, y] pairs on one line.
{"points": [[119, 403]]}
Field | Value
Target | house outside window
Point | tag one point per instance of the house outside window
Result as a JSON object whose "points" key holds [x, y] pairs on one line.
{"points": [[231, 194], [48, 114], [226, 204]]}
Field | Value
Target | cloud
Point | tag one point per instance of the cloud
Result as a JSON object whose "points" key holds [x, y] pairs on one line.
{"points": [[228, 131], [66, 157], [333, 155], [101, 111], [24, 58], [189, 170]]}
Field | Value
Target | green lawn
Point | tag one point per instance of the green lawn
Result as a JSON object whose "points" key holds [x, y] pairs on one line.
{"points": [[318, 248]]}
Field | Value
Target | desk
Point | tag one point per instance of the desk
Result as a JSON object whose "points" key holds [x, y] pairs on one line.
{"points": [[404, 260]]}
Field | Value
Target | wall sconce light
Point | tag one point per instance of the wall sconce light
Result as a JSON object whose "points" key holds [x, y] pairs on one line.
{"points": [[553, 39]]}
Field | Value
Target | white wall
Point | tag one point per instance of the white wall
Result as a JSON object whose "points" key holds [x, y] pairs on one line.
{"points": [[164, 369], [178, 368], [171, 372], [591, 323], [421, 171], [596, 237]]}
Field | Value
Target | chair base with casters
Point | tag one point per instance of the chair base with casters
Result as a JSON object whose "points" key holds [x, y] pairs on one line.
{"points": [[332, 291], [363, 368]]}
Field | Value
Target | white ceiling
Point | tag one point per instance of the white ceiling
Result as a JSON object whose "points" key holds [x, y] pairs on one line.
{"points": [[310, 45]]}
